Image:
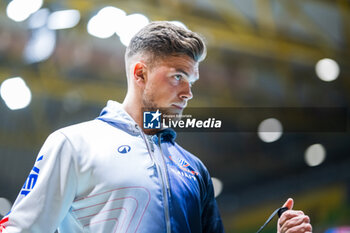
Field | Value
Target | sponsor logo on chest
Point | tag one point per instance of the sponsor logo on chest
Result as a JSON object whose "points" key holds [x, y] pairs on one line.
{"points": [[123, 149], [185, 168]]}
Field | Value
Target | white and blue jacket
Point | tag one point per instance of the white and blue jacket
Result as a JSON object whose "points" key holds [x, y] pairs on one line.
{"points": [[107, 176]]}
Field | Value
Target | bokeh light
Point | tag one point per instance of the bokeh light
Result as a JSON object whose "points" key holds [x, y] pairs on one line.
{"points": [[20, 10], [270, 130], [105, 22], [218, 186], [38, 19], [315, 155], [327, 69], [63, 19], [15, 93], [133, 23], [5, 206], [40, 46]]}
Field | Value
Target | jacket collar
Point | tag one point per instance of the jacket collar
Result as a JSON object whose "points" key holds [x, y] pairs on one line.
{"points": [[115, 115]]}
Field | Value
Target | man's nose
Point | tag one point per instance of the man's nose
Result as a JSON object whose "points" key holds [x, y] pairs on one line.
{"points": [[186, 92]]}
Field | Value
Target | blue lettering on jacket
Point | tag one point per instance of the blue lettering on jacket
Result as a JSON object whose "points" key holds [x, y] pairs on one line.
{"points": [[32, 178]]}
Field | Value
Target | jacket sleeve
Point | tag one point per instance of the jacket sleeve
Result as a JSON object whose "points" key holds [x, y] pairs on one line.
{"points": [[211, 219], [48, 192]]}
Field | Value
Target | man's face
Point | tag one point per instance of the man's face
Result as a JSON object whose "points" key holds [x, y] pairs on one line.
{"points": [[168, 84]]}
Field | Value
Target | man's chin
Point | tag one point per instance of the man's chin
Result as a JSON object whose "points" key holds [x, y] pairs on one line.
{"points": [[173, 111], [172, 114]]}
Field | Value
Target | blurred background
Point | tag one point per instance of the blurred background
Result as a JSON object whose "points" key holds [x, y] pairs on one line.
{"points": [[60, 61]]}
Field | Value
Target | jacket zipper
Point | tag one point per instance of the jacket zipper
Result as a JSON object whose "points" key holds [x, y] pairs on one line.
{"points": [[165, 184], [149, 146], [165, 167], [167, 191]]}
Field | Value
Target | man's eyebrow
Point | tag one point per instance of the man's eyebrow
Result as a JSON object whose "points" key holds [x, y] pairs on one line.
{"points": [[182, 71], [191, 80]]}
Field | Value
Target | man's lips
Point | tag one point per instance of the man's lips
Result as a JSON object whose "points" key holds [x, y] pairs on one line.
{"points": [[178, 106]]}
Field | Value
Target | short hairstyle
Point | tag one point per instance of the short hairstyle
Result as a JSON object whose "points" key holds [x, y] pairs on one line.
{"points": [[160, 39]]}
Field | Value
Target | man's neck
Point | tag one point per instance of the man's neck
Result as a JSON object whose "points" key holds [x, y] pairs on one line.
{"points": [[134, 110]]}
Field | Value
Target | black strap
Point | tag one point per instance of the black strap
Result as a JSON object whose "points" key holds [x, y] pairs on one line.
{"points": [[279, 211]]}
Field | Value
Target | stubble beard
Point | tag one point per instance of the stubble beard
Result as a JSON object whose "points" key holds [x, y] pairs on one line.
{"points": [[149, 104]]}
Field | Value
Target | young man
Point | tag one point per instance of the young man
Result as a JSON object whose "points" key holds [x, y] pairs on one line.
{"points": [[110, 175]]}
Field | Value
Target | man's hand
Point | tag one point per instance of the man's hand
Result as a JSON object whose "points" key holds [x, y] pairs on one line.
{"points": [[293, 221]]}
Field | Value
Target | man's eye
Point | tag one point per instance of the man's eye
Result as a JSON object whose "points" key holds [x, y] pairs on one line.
{"points": [[178, 77]]}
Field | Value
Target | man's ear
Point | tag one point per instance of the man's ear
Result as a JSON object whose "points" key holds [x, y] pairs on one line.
{"points": [[140, 73]]}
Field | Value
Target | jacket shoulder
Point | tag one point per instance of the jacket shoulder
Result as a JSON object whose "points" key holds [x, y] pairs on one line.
{"points": [[82, 134], [81, 128]]}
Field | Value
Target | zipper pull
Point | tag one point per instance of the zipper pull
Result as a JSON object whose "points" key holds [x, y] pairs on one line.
{"points": [[150, 142]]}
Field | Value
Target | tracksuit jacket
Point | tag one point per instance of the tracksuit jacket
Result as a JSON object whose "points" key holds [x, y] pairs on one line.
{"points": [[107, 176]]}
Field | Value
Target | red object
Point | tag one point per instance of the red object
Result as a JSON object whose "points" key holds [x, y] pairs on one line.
{"points": [[2, 227]]}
